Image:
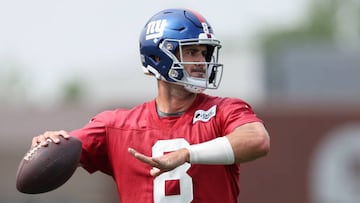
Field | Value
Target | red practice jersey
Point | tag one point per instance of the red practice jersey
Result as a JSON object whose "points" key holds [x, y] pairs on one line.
{"points": [[107, 137]]}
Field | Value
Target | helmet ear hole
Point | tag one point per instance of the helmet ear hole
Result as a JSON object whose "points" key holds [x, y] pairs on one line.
{"points": [[152, 59], [156, 58]]}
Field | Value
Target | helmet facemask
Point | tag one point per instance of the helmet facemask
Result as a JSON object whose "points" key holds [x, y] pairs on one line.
{"points": [[177, 72]]}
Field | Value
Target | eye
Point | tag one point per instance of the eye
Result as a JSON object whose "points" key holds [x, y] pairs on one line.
{"points": [[195, 52], [190, 52], [204, 53]]}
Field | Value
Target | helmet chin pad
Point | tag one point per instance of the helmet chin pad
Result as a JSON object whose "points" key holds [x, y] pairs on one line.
{"points": [[193, 88]]}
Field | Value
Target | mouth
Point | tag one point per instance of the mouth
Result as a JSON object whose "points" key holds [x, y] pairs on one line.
{"points": [[198, 72]]}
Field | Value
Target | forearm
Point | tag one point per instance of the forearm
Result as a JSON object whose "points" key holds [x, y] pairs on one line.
{"points": [[245, 143], [216, 151], [249, 142]]}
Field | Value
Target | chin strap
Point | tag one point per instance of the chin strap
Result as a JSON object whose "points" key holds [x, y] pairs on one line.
{"points": [[149, 70]]}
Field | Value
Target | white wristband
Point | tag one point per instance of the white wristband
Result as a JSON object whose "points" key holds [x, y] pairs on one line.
{"points": [[216, 151]]}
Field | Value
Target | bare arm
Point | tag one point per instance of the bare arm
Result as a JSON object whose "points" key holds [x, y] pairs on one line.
{"points": [[249, 141]]}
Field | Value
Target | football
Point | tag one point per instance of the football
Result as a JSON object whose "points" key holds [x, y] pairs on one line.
{"points": [[45, 168]]}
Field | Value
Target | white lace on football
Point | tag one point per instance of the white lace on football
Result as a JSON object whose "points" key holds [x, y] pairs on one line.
{"points": [[32, 151]]}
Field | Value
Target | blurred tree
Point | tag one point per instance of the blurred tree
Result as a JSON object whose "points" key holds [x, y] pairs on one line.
{"points": [[73, 91], [322, 25], [13, 84]]}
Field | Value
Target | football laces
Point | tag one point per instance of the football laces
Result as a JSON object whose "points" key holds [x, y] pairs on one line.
{"points": [[29, 155]]}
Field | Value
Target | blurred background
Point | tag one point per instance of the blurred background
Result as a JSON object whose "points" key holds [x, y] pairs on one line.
{"points": [[297, 62]]}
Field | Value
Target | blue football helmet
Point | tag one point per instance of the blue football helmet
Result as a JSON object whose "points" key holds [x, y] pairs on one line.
{"points": [[167, 32]]}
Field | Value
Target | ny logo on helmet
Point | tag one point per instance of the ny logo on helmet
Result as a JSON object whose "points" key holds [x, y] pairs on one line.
{"points": [[155, 29]]}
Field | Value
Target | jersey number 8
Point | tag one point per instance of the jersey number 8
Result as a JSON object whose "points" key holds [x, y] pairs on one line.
{"points": [[179, 174]]}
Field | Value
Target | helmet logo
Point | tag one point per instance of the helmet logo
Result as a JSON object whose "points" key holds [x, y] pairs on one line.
{"points": [[155, 29], [206, 29]]}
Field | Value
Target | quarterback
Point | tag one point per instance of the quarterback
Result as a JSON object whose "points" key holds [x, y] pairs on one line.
{"points": [[184, 145]]}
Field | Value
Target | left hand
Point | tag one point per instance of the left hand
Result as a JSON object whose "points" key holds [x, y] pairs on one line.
{"points": [[163, 163]]}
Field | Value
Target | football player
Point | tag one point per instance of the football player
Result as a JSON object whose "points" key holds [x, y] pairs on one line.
{"points": [[184, 145]]}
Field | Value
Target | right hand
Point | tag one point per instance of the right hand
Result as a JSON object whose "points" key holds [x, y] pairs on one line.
{"points": [[53, 135], [163, 163]]}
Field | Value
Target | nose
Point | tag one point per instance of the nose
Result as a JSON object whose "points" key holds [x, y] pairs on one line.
{"points": [[200, 58]]}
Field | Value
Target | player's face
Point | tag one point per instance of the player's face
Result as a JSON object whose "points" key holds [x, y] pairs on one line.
{"points": [[194, 53]]}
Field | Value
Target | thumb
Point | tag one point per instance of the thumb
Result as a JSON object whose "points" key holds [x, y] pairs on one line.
{"points": [[155, 172]]}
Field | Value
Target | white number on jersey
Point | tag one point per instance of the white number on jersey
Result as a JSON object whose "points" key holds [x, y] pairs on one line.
{"points": [[179, 173]]}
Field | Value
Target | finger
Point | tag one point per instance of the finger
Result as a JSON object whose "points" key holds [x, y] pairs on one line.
{"points": [[35, 141], [52, 135], [132, 151], [64, 134], [55, 135], [162, 161], [42, 139], [142, 157], [155, 172]]}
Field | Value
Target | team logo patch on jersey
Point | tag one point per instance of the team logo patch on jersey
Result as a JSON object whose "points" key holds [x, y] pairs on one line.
{"points": [[155, 29], [204, 116]]}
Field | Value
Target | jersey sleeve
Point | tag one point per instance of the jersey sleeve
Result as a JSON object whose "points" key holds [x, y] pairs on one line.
{"points": [[94, 155], [236, 113]]}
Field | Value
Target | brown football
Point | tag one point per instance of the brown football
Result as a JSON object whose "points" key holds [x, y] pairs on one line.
{"points": [[45, 168]]}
